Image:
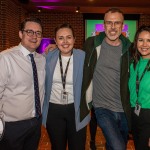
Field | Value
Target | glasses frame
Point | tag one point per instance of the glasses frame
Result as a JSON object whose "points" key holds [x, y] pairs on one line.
{"points": [[30, 33], [116, 24]]}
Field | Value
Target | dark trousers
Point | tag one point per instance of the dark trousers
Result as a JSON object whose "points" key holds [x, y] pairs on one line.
{"points": [[93, 125], [141, 129], [62, 129], [22, 135]]}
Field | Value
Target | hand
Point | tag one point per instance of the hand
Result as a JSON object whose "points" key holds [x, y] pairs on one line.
{"points": [[2, 128], [149, 143], [50, 47]]}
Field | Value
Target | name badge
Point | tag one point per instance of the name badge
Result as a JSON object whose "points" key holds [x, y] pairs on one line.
{"points": [[137, 109], [64, 97]]}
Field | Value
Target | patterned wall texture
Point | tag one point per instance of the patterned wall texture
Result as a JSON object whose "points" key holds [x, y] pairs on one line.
{"points": [[11, 15], [144, 20], [52, 20]]}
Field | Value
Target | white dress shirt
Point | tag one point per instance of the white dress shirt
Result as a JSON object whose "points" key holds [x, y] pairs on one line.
{"points": [[17, 84]]}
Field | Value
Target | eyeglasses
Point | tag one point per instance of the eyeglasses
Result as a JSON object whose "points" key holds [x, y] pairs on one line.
{"points": [[116, 23], [31, 33]]}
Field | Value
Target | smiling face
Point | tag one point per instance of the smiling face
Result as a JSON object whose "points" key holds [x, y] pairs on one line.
{"points": [[65, 41], [143, 44], [31, 43], [113, 24]]}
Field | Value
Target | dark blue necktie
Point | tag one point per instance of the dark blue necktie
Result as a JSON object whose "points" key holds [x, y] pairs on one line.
{"points": [[36, 88]]}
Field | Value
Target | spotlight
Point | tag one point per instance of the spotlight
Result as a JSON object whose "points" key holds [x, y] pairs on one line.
{"points": [[39, 10], [77, 10]]}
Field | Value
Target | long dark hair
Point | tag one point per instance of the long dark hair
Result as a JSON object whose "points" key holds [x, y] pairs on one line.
{"points": [[135, 55]]}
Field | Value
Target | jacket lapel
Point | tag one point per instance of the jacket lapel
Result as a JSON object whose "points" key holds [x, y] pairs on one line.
{"points": [[76, 63], [51, 63]]}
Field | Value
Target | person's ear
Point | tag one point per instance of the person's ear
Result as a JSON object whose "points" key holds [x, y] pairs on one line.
{"points": [[123, 26], [55, 41], [20, 34]]}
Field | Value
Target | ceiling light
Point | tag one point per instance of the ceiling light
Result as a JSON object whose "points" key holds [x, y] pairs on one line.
{"points": [[39, 10], [77, 10]]}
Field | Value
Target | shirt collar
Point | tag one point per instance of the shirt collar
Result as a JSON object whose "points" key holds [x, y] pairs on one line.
{"points": [[24, 51]]}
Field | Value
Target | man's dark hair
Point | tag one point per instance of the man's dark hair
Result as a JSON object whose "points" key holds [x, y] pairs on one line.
{"points": [[31, 19]]}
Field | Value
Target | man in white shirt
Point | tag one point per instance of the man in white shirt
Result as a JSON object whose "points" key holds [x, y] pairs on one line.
{"points": [[17, 89]]}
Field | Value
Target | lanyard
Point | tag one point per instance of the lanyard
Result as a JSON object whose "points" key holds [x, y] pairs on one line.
{"points": [[63, 78], [139, 80]]}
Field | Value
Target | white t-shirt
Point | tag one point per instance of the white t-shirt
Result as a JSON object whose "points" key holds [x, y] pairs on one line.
{"points": [[57, 86]]}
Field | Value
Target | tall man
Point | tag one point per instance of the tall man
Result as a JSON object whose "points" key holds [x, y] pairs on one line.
{"points": [[106, 80], [22, 80]]}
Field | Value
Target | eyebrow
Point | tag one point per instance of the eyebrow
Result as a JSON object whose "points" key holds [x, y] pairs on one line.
{"points": [[32, 30], [63, 35]]}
